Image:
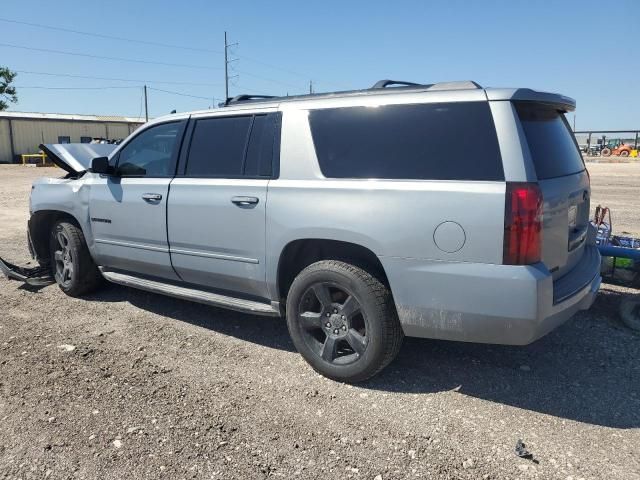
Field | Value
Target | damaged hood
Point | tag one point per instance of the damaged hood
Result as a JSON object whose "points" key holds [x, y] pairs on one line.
{"points": [[76, 157]]}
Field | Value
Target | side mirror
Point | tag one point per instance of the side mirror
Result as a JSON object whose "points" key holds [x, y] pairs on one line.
{"points": [[101, 165]]}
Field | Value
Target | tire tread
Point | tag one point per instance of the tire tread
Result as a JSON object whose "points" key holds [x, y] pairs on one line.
{"points": [[392, 334], [89, 276]]}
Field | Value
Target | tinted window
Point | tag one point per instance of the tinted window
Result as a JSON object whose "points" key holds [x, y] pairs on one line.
{"points": [[149, 154], [260, 151], [218, 147], [452, 141], [64, 139], [551, 143]]}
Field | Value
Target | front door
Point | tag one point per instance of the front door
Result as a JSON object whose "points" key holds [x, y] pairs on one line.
{"points": [[128, 210], [217, 204]]}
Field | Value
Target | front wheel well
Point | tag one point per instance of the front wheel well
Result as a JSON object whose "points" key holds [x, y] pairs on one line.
{"points": [[299, 254], [40, 225]]}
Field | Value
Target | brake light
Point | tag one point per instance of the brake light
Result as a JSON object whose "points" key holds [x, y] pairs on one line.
{"points": [[522, 224]]}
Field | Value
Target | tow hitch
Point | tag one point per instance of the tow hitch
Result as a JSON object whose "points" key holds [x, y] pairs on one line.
{"points": [[34, 276]]}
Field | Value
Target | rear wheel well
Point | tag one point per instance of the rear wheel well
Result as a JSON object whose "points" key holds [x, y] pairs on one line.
{"points": [[40, 225], [299, 254]]}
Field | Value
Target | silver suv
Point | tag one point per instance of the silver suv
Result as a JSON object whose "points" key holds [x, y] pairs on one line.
{"points": [[445, 211]]}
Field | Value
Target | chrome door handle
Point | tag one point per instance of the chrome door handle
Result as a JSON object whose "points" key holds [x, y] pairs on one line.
{"points": [[151, 197], [244, 201]]}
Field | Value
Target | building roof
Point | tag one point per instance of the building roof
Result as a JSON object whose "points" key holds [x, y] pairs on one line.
{"points": [[71, 116]]}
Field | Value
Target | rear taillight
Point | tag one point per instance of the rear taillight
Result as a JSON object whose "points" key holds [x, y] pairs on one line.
{"points": [[522, 224]]}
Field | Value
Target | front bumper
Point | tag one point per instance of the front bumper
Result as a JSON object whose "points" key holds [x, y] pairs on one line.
{"points": [[34, 276], [483, 303]]}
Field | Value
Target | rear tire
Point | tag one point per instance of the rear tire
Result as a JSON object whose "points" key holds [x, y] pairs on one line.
{"points": [[343, 321], [73, 268], [606, 152]]}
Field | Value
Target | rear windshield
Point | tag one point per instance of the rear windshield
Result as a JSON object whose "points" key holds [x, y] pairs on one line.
{"points": [[438, 141], [551, 143]]}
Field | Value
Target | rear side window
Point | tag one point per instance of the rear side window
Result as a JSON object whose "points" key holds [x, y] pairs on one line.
{"points": [[218, 147], [232, 147], [440, 141], [259, 161], [552, 145]]}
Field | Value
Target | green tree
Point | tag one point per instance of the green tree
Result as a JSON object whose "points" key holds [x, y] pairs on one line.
{"points": [[7, 92]]}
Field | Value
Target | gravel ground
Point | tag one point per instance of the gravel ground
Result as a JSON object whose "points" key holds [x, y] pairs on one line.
{"points": [[126, 384], [615, 185]]}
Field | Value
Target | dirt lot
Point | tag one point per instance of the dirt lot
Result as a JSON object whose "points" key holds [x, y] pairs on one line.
{"points": [[127, 384]]}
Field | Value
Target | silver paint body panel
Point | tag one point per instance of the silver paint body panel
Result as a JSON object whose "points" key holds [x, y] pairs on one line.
{"points": [[462, 294]]}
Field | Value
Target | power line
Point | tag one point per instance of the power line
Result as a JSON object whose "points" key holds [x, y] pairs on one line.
{"points": [[160, 44], [76, 88], [108, 87], [110, 37], [149, 62], [88, 77], [272, 80], [179, 93]]}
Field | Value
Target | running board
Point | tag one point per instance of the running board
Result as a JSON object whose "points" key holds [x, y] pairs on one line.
{"points": [[34, 276], [195, 295]]}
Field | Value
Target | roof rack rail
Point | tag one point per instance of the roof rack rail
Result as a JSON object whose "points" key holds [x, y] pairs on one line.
{"points": [[244, 98], [386, 83], [459, 85]]}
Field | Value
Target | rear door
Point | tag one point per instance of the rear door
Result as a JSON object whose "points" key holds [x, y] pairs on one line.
{"points": [[217, 203], [564, 182]]}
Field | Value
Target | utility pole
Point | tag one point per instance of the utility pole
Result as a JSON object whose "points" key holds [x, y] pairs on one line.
{"points": [[226, 65], [310, 86], [146, 106]]}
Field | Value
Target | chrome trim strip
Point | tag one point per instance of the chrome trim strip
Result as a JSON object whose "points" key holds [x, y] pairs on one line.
{"points": [[213, 255], [141, 246]]}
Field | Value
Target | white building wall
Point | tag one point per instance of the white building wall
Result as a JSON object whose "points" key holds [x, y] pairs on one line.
{"points": [[28, 134]]}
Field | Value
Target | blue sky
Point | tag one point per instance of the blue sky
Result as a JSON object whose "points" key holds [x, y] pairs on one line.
{"points": [[583, 49]]}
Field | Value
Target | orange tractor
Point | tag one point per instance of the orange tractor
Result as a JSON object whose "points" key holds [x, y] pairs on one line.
{"points": [[616, 147]]}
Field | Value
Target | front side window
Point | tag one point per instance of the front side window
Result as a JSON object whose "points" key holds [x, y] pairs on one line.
{"points": [[151, 153], [437, 141], [64, 139]]}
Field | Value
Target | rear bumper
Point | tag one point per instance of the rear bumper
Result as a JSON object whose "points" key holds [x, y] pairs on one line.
{"points": [[502, 304]]}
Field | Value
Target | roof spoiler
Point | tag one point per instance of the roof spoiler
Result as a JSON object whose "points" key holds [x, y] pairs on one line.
{"points": [[561, 102]]}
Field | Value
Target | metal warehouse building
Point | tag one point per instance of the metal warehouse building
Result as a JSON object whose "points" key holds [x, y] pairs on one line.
{"points": [[22, 132]]}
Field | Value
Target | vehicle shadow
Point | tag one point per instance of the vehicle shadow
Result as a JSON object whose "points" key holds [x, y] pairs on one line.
{"points": [[587, 370], [266, 331]]}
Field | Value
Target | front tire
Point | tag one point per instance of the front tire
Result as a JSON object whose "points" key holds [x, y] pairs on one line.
{"points": [[73, 268], [343, 321]]}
